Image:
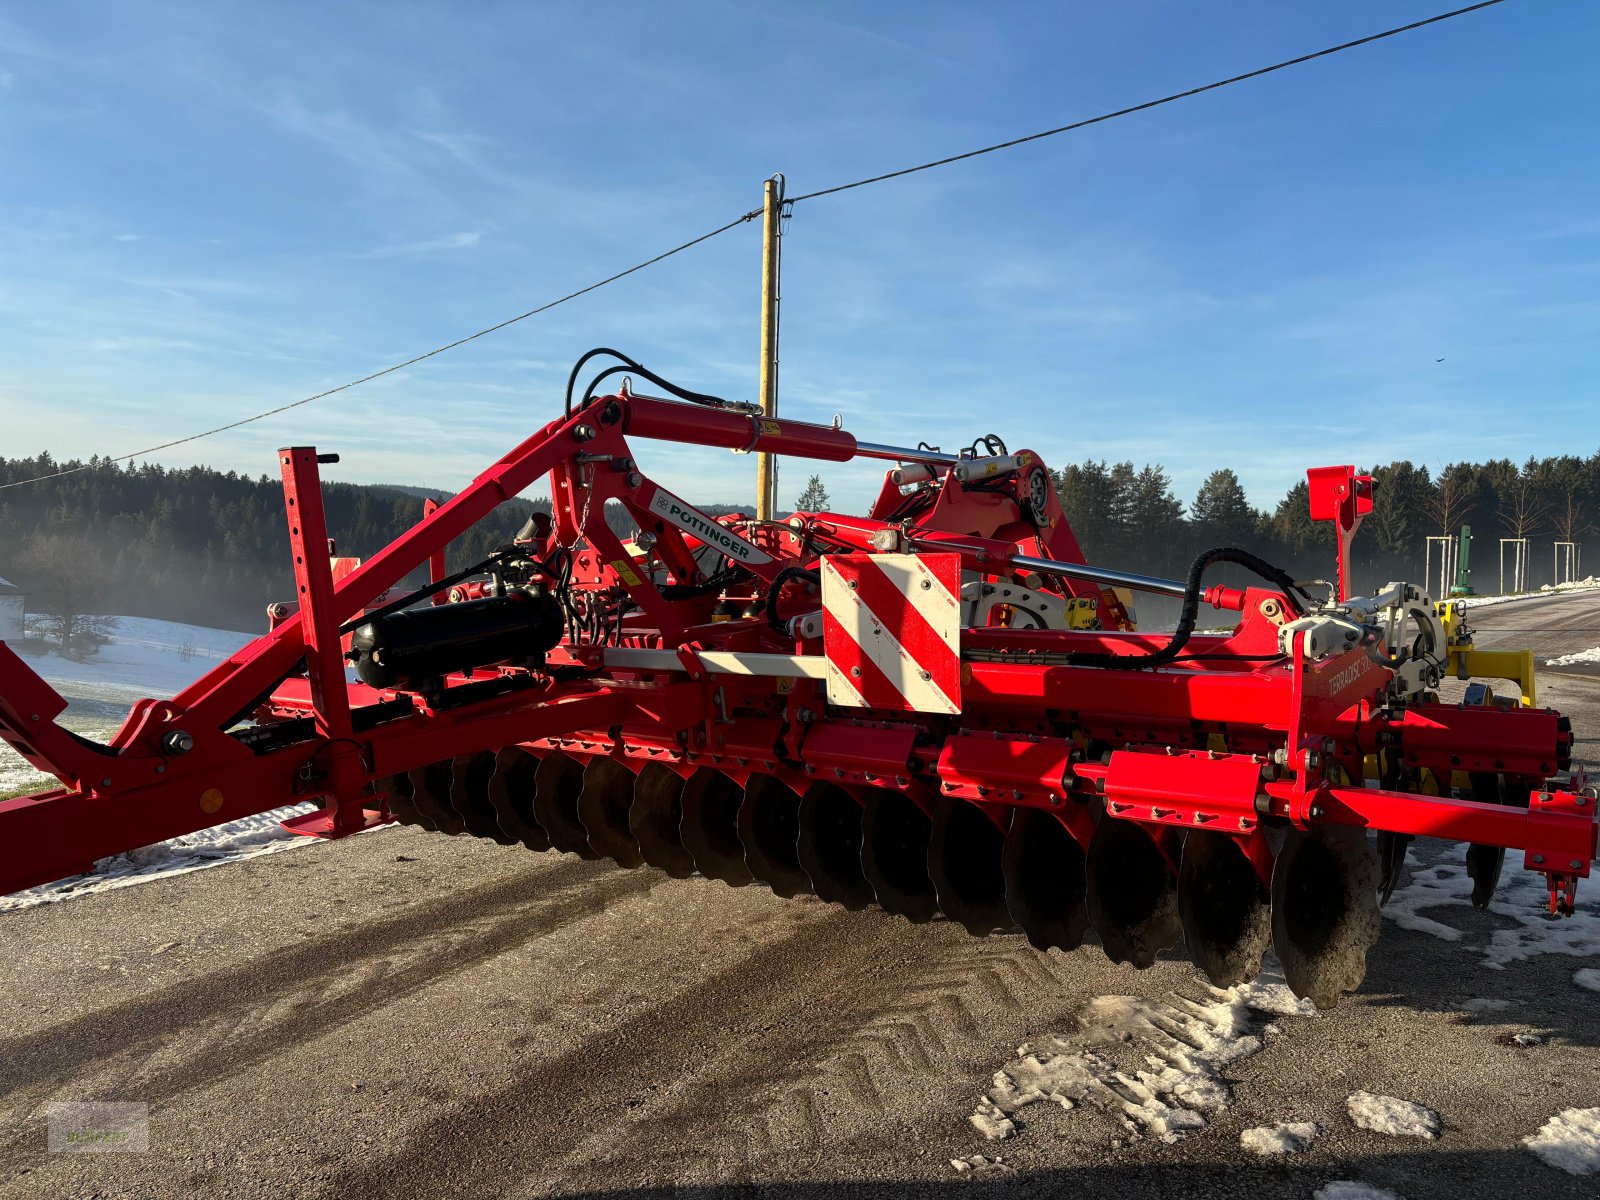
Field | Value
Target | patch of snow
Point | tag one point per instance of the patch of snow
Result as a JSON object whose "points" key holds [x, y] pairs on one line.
{"points": [[1270, 1141], [977, 1163], [248, 837], [1522, 896], [1392, 1116], [1569, 1141], [1577, 658], [1589, 978], [1527, 1039], [1350, 1189], [1176, 1083]]}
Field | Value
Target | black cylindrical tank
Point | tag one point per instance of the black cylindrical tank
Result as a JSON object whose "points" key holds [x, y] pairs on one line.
{"points": [[407, 649]]}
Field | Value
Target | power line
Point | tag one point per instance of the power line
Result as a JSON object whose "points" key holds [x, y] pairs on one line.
{"points": [[400, 366], [843, 187], [1149, 104]]}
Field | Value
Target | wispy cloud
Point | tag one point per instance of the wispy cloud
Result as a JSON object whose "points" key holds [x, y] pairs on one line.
{"points": [[465, 240]]}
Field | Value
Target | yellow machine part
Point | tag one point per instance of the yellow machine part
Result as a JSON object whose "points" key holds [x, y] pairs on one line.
{"points": [[1464, 661]]}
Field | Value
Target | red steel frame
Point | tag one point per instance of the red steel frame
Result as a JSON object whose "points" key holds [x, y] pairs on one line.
{"points": [[1138, 741]]}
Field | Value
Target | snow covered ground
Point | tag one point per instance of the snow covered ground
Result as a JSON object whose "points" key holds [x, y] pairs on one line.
{"points": [[1437, 900], [1570, 1141], [145, 657], [1578, 658], [1592, 583], [151, 657]]}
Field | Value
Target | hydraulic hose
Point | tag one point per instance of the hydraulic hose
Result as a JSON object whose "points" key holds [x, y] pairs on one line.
{"points": [[776, 586], [1190, 611], [637, 368]]}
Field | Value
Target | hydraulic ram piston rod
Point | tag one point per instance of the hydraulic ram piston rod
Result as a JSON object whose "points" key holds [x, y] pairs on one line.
{"points": [[1127, 579], [901, 454]]}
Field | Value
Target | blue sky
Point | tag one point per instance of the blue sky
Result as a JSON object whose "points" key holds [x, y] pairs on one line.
{"points": [[211, 209]]}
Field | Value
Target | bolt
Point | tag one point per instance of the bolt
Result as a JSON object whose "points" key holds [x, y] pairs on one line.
{"points": [[927, 675], [1244, 822], [1575, 864], [1317, 811], [177, 742], [1538, 858], [1015, 794], [852, 585], [583, 433], [855, 672], [927, 584]]}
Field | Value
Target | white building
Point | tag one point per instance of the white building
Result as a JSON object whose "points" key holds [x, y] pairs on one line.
{"points": [[11, 609]]}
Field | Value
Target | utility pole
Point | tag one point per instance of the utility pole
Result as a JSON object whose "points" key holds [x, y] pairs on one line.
{"points": [[767, 464]]}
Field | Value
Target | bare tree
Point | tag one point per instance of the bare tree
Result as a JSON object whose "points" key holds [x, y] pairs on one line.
{"points": [[1567, 516], [1449, 500], [68, 578], [1522, 507]]}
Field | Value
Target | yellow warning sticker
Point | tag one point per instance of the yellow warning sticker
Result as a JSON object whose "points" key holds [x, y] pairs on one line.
{"points": [[770, 428], [625, 572]]}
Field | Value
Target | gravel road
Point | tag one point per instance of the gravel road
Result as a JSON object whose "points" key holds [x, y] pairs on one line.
{"points": [[407, 1014]]}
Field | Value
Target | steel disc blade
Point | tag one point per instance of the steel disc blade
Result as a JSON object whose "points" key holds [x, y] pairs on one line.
{"points": [[1133, 897], [1226, 912], [710, 828], [1484, 862], [469, 796], [964, 851], [829, 846], [404, 808], [1325, 910], [511, 791], [557, 785], [654, 819], [894, 854], [603, 806], [769, 828], [430, 793], [1046, 880]]}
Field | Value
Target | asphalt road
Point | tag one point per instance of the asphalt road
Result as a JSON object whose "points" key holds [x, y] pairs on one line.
{"points": [[405, 1014]]}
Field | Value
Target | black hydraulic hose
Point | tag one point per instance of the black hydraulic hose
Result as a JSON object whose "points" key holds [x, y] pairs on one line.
{"points": [[637, 368], [572, 379], [782, 577], [1191, 608], [428, 589]]}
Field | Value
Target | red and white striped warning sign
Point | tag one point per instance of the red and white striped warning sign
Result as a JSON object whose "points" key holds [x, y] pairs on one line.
{"points": [[891, 631]]}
